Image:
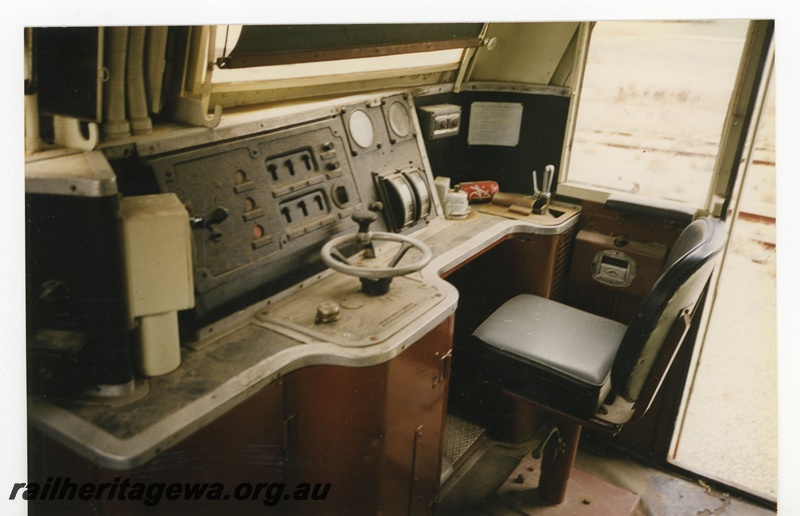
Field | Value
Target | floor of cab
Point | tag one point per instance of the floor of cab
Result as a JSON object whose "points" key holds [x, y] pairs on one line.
{"points": [[486, 477]]}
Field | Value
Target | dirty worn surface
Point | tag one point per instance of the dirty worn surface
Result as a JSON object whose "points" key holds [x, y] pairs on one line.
{"points": [[201, 373], [666, 494], [586, 495], [499, 479]]}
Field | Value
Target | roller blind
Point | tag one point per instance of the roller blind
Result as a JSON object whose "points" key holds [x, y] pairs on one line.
{"points": [[264, 45]]}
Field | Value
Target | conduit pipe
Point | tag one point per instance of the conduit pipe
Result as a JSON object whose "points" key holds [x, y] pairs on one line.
{"points": [[115, 124], [32, 140], [136, 94]]}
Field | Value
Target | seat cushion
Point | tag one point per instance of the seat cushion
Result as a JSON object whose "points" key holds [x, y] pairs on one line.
{"points": [[547, 351]]}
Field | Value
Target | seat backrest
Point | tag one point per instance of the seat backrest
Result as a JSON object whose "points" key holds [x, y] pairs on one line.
{"points": [[688, 268]]}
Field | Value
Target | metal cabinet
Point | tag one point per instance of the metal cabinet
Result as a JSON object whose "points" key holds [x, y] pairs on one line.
{"points": [[324, 439], [373, 433]]}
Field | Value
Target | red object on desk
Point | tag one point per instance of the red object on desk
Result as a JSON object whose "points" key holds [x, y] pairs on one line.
{"points": [[480, 191]]}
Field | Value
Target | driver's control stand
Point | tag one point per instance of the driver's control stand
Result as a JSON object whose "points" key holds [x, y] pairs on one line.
{"points": [[375, 281]]}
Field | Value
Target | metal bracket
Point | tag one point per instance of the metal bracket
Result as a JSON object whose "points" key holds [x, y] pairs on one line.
{"points": [[544, 434], [68, 133], [194, 112]]}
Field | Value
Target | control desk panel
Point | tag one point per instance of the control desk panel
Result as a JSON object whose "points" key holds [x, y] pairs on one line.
{"points": [[262, 206]]}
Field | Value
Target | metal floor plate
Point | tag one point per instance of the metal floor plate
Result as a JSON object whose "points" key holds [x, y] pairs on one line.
{"points": [[459, 435]]}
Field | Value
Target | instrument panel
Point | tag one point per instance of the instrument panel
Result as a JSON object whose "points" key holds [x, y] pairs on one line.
{"points": [[262, 206]]}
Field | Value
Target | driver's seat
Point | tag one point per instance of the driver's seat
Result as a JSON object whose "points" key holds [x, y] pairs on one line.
{"points": [[583, 369]]}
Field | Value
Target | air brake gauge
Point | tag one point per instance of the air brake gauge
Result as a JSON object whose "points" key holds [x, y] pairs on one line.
{"points": [[361, 129]]}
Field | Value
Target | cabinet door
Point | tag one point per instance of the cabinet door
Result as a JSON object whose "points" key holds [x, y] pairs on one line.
{"points": [[335, 431], [373, 433], [416, 405]]}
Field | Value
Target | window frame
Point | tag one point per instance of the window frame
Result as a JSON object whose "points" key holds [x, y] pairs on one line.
{"points": [[734, 130], [250, 92]]}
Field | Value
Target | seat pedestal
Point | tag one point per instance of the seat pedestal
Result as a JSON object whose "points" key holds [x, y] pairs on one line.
{"points": [[558, 457]]}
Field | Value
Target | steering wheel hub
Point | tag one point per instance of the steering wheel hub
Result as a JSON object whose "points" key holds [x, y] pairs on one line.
{"points": [[374, 280]]}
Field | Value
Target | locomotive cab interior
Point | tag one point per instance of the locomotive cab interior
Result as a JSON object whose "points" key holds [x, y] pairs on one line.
{"points": [[271, 260]]}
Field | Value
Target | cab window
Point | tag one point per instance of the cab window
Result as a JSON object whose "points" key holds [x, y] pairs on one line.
{"points": [[652, 107]]}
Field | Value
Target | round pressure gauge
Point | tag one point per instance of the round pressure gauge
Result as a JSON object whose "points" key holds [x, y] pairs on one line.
{"points": [[399, 119], [361, 129]]}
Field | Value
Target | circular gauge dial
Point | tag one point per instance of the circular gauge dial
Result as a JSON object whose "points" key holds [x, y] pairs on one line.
{"points": [[399, 119], [361, 129]]}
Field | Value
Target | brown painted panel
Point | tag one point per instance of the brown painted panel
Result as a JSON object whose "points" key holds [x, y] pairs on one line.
{"points": [[335, 421], [416, 406], [636, 227], [530, 263], [536, 265], [374, 433]]}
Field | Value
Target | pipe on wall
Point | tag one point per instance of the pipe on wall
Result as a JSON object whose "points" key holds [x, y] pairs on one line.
{"points": [[136, 94], [32, 139], [115, 124]]}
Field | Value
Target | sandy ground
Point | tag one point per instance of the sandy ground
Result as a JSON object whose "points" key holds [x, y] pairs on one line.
{"points": [[654, 101], [650, 121], [737, 373]]}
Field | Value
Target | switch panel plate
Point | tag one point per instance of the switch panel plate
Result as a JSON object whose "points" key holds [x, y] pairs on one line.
{"points": [[284, 192], [440, 120]]}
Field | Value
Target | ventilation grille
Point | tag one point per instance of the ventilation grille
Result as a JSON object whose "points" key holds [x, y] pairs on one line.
{"points": [[561, 265]]}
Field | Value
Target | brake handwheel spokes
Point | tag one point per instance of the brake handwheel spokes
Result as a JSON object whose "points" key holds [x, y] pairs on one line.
{"points": [[374, 280], [404, 248]]}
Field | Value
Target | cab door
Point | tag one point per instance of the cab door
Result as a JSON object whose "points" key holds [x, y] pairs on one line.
{"points": [[662, 128]]}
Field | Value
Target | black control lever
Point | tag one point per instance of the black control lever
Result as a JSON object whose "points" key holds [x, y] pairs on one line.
{"points": [[215, 217], [364, 219], [218, 215]]}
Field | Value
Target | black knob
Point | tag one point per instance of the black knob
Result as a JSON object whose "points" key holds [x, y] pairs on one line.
{"points": [[364, 219], [218, 215]]}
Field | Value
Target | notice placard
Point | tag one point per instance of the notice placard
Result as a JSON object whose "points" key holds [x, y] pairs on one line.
{"points": [[494, 123]]}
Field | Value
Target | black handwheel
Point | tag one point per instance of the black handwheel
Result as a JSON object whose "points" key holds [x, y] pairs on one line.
{"points": [[375, 280]]}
